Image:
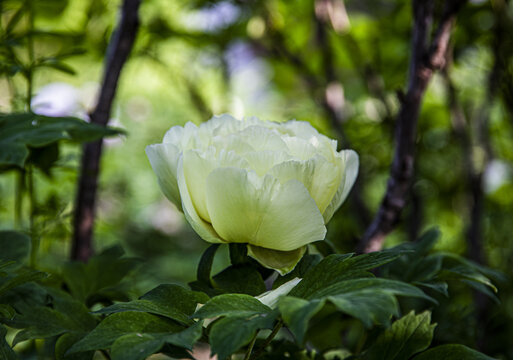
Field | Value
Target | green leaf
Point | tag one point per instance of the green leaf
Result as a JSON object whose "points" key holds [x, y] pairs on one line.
{"points": [[65, 315], [124, 323], [99, 276], [172, 301], [18, 277], [452, 352], [135, 347], [229, 334], [335, 268], [440, 287], [231, 305], [15, 246], [296, 313], [307, 262], [6, 352], [407, 336], [466, 273], [20, 131], [240, 279], [186, 338], [65, 342], [205, 264]]}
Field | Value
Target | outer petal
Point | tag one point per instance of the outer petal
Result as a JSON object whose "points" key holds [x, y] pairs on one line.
{"points": [[262, 212], [350, 169], [202, 228], [164, 161], [319, 176], [282, 261]]}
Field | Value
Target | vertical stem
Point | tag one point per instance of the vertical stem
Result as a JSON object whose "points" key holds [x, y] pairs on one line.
{"points": [[30, 49], [32, 201], [250, 348], [18, 199]]}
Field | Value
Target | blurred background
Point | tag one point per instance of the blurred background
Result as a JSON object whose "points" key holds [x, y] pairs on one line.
{"points": [[341, 65]]}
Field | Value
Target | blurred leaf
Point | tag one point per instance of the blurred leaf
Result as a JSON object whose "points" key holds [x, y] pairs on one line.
{"points": [[452, 352], [44, 157], [6, 353], [96, 279], [57, 65], [64, 315], [407, 336], [15, 246], [172, 301], [17, 277], [65, 342], [231, 305], [20, 131], [125, 323]]}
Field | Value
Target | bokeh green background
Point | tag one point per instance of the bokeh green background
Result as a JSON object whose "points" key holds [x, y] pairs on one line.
{"points": [[193, 59]]}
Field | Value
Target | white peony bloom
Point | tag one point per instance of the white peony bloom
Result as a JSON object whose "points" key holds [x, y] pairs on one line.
{"points": [[270, 185]]}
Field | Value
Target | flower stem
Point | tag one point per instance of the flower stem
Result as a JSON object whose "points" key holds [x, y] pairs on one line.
{"points": [[268, 340], [250, 348]]}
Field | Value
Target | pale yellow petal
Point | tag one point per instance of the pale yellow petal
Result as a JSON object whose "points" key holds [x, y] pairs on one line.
{"points": [[248, 209], [281, 261]]}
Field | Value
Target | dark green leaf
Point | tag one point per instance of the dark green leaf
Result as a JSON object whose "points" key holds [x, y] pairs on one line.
{"points": [[6, 353], [229, 334], [124, 323], [335, 268], [205, 264], [135, 347], [231, 305], [172, 301], [407, 336], [20, 131], [15, 246], [306, 263], [452, 352], [238, 253], [240, 279], [296, 313], [65, 342]]}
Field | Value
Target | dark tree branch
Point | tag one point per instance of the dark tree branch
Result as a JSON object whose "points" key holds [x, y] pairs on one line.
{"points": [[117, 53], [424, 61]]}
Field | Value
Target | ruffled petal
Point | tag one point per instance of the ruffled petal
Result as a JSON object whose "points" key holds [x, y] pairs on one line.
{"points": [[245, 208], [350, 170], [164, 161]]}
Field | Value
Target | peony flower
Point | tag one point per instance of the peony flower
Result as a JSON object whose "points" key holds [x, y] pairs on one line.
{"points": [[270, 185]]}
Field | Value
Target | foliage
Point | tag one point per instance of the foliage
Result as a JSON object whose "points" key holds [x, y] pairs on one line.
{"points": [[276, 60]]}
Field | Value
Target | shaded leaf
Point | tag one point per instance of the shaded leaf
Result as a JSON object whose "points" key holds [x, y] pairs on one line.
{"points": [[172, 301], [231, 305], [15, 246], [296, 313], [452, 352], [407, 336]]}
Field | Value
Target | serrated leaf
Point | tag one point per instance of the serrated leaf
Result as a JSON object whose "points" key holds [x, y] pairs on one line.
{"points": [[124, 323], [229, 334], [15, 246], [296, 313], [406, 337], [452, 352], [172, 301], [231, 305]]}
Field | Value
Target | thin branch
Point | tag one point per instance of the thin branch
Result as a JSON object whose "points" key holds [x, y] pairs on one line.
{"points": [[117, 53], [424, 61]]}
